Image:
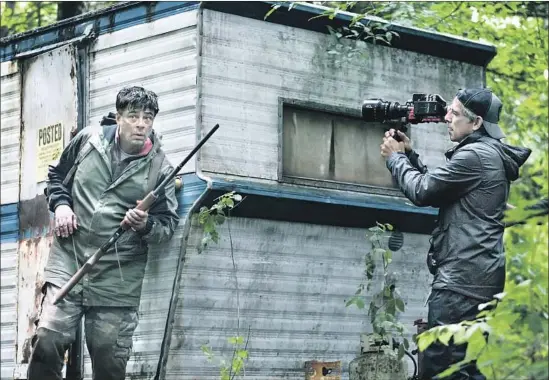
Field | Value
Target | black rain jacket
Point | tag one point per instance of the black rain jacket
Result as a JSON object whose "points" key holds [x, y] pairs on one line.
{"points": [[471, 192]]}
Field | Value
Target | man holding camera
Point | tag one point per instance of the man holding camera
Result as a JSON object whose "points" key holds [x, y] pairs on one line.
{"points": [[471, 191]]}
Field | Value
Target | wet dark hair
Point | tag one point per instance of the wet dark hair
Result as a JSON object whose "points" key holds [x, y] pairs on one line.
{"points": [[136, 98]]}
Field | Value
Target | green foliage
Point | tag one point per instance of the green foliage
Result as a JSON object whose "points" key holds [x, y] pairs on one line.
{"points": [[234, 368], [386, 302], [22, 16], [343, 42], [210, 218]]}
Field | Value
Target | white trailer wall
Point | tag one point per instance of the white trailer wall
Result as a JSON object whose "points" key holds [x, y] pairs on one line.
{"points": [[11, 131], [10, 150], [294, 279], [247, 64]]}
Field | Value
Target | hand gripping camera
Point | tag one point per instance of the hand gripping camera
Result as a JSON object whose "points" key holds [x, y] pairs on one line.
{"points": [[423, 108]]}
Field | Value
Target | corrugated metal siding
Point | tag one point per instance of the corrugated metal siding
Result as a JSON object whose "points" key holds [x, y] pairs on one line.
{"points": [[293, 280], [157, 288], [8, 289], [11, 131], [247, 64], [160, 56]]}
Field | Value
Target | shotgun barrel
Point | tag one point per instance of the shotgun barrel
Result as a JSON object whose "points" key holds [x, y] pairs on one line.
{"points": [[144, 206]]}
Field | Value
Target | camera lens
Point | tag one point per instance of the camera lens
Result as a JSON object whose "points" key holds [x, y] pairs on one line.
{"points": [[373, 110], [380, 111]]}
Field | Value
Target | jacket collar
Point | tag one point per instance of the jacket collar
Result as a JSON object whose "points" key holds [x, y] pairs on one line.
{"points": [[473, 137], [147, 147]]}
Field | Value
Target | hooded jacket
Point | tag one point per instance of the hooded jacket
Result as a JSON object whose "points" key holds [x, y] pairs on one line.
{"points": [[471, 192], [100, 193]]}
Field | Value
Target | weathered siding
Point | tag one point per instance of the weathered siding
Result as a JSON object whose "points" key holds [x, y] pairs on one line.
{"points": [[11, 131], [293, 279], [8, 289], [160, 56], [248, 64], [55, 95], [10, 107]]}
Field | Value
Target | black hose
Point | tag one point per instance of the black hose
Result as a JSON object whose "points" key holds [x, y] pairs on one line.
{"points": [[414, 361]]}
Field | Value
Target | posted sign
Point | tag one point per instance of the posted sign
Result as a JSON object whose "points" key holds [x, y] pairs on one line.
{"points": [[49, 149]]}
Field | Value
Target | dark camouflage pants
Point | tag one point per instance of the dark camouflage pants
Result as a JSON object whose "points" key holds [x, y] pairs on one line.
{"points": [[108, 331]]}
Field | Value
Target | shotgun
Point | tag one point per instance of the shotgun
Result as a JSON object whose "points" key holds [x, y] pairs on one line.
{"points": [[143, 206]]}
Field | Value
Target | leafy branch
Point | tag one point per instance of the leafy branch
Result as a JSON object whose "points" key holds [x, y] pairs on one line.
{"points": [[387, 302], [209, 219]]}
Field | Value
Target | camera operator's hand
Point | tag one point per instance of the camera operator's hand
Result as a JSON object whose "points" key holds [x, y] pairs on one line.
{"points": [[390, 146], [405, 139]]}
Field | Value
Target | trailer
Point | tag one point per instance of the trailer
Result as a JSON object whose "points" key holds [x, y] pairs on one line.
{"points": [[291, 142]]}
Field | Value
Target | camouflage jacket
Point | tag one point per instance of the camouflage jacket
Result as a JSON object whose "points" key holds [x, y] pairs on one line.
{"points": [[100, 199]]}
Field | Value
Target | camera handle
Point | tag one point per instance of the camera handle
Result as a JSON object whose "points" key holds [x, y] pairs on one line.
{"points": [[404, 124]]}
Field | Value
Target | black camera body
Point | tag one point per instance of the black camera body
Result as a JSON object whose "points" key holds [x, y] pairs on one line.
{"points": [[423, 108]]}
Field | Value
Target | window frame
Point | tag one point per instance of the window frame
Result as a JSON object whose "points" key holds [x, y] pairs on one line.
{"points": [[320, 183]]}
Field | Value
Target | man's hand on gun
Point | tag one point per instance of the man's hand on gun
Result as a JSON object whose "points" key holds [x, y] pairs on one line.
{"points": [[135, 219], [390, 145], [65, 221]]}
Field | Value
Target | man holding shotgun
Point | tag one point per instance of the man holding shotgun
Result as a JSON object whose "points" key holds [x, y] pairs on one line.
{"points": [[94, 189]]}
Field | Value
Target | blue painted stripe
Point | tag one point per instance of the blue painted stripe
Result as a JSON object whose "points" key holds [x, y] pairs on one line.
{"points": [[193, 187], [105, 21], [323, 196], [9, 223]]}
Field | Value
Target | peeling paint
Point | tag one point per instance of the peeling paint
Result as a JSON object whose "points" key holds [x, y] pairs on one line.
{"points": [[35, 219], [33, 254]]}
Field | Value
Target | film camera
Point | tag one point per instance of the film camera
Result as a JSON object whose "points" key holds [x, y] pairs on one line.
{"points": [[423, 108]]}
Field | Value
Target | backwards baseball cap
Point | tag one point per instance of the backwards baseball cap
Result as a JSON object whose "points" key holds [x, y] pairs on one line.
{"points": [[485, 104]]}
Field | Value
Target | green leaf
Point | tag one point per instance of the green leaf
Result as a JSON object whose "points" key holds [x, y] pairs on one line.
{"points": [[360, 303], [425, 339], [219, 219], [274, 8], [400, 351], [236, 340], [390, 308], [242, 354], [444, 336], [399, 304]]}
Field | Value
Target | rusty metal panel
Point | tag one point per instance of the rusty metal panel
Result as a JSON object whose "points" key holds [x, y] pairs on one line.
{"points": [[49, 114], [160, 56], [294, 279], [248, 64], [10, 106], [317, 370]]}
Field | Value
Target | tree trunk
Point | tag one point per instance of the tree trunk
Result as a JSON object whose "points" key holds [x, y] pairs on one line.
{"points": [[68, 9], [4, 30]]}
